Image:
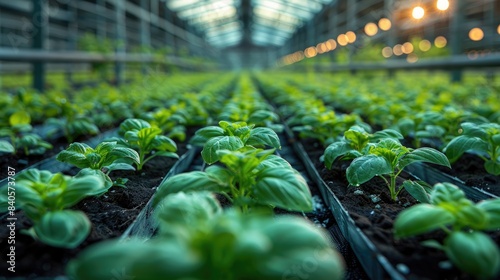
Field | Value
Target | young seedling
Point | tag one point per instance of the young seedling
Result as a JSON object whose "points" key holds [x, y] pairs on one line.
{"points": [[106, 157], [146, 140], [387, 159], [20, 137], [44, 197], [466, 245], [233, 136], [355, 143], [481, 138], [250, 178], [197, 240]]}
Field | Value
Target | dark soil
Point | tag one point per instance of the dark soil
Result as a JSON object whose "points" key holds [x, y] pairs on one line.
{"points": [[469, 168], [376, 219], [21, 161], [110, 215]]}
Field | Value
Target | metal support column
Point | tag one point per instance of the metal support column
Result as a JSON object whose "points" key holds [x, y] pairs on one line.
{"points": [[351, 26], [39, 20], [145, 30], [391, 38], [457, 34], [120, 30], [73, 31]]}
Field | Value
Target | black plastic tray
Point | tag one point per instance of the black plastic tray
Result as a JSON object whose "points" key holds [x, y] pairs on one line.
{"points": [[144, 225]]}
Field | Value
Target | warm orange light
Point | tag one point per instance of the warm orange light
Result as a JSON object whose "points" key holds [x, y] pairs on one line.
{"points": [[321, 48], [407, 48], [442, 5], [310, 52], [331, 44], [387, 52], [298, 56], [397, 49], [351, 37], [371, 29], [342, 39], [440, 42], [424, 45], [384, 24], [476, 34], [498, 29], [418, 12], [412, 58]]}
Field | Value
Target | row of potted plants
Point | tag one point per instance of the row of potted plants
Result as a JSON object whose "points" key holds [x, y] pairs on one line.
{"points": [[219, 221], [73, 208]]}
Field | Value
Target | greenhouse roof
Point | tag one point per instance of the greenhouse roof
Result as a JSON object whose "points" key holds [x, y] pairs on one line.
{"points": [[226, 23]]}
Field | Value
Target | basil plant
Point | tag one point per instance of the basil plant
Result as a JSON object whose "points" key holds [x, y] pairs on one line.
{"points": [[386, 158], [233, 136], [198, 240], [481, 138], [148, 141], [45, 198], [101, 160], [463, 221], [247, 178]]}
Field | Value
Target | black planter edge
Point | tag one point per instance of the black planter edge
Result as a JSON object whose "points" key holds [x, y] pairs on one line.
{"points": [[372, 260], [144, 225], [431, 175]]}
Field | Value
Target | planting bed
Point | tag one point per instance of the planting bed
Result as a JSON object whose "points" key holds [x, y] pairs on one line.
{"points": [[110, 215], [407, 257]]}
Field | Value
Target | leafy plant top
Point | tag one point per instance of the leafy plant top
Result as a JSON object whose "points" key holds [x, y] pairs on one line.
{"points": [[146, 140], [233, 136], [248, 179], [197, 240], [44, 197], [466, 245], [481, 138]]}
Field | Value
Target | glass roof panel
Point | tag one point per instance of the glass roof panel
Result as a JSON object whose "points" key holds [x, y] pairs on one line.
{"points": [[272, 21]]}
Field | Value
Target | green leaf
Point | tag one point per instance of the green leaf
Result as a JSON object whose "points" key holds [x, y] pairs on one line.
{"points": [[80, 187], [364, 168], [386, 133], [263, 136], [424, 155], [284, 188], [187, 182], [446, 192], [6, 147], [474, 253], [209, 152], [492, 167], [474, 130], [202, 135], [65, 229], [421, 218], [273, 161], [76, 154], [132, 124], [492, 209], [121, 153], [19, 118], [177, 219], [417, 191], [461, 144], [163, 143], [336, 150]]}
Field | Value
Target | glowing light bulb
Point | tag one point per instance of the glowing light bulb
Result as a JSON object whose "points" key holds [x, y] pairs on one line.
{"points": [[418, 12], [476, 34], [371, 29], [442, 5]]}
